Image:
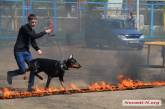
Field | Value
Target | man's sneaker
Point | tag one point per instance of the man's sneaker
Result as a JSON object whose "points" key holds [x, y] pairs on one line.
{"points": [[9, 77]]}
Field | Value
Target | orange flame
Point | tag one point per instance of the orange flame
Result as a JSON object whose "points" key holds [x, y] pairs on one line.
{"points": [[124, 83], [73, 87], [98, 86]]}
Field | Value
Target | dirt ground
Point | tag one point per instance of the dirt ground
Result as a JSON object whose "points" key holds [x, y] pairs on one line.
{"points": [[97, 65]]}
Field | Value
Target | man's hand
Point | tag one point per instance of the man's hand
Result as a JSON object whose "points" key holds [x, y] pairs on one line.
{"points": [[48, 31], [39, 52]]}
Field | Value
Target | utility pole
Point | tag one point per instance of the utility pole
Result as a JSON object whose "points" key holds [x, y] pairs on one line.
{"points": [[137, 15], [54, 3]]}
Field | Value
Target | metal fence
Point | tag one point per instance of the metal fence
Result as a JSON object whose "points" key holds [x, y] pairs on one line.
{"points": [[70, 16]]}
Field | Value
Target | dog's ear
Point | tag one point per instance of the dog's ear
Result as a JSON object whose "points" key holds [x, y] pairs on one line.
{"points": [[71, 56]]}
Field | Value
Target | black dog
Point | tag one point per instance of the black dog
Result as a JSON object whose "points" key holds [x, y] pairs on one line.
{"points": [[53, 68]]}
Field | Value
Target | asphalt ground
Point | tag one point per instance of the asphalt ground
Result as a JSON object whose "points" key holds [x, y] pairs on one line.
{"points": [[98, 65], [95, 100]]}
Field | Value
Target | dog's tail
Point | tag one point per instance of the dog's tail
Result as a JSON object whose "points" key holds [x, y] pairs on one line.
{"points": [[40, 77]]}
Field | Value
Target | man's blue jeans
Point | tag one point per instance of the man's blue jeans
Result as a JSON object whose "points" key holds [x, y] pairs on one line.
{"points": [[22, 58]]}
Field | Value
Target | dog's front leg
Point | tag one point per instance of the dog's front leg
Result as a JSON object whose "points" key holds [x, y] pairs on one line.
{"points": [[63, 86]]}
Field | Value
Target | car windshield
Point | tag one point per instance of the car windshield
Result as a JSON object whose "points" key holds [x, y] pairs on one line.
{"points": [[120, 24]]}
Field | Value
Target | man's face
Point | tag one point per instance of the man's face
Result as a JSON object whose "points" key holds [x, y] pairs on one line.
{"points": [[33, 22]]}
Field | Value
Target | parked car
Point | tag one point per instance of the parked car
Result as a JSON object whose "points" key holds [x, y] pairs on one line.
{"points": [[113, 33]]}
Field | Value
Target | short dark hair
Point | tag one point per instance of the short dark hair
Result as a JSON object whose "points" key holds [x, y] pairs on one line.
{"points": [[31, 17]]}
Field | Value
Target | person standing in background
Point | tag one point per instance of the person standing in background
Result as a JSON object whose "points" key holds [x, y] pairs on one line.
{"points": [[68, 6], [131, 20]]}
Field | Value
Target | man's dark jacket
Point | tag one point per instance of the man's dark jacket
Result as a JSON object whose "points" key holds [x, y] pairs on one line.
{"points": [[26, 37]]}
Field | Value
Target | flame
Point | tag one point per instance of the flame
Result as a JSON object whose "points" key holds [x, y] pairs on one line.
{"points": [[6, 92], [156, 83], [127, 83], [98, 86], [124, 84], [72, 86]]}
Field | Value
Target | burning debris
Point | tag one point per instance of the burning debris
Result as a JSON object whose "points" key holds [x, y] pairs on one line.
{"points": [[124, 84]]}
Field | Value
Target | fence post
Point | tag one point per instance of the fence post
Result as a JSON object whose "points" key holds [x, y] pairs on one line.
{"points": [[23, 11], [55, 14], [31, 10], [106, 9], [138, 14], [152, 21], [0, 21]]}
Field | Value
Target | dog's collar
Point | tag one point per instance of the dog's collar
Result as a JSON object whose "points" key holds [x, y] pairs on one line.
{"points": [[63, 65]]}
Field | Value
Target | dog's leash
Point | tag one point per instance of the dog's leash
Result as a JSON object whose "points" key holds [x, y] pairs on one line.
{"points": [[57, 44], [51, 26]]}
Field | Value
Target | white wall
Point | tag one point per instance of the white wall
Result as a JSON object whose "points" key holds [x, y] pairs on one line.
{"points": [[113, 4]]}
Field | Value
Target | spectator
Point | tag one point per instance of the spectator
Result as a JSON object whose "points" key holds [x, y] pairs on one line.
{"points": [[68, 6], [131, 20]]}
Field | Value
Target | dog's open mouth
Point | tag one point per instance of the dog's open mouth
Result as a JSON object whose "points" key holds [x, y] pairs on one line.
{"points": [[76, 66]]}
